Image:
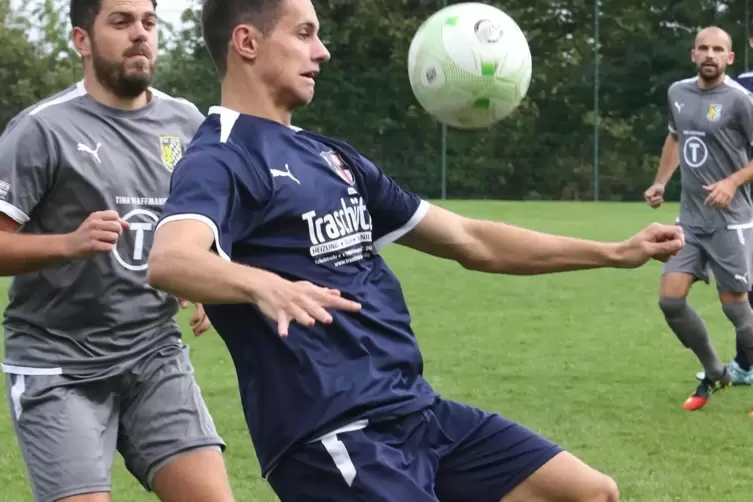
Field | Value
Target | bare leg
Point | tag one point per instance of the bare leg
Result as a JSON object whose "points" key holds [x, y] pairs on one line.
{"points": [[565, 478], [196, 476]]}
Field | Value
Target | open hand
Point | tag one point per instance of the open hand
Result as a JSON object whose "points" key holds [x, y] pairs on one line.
{"points": [[656, 241], [285, 301], [720, 193]]}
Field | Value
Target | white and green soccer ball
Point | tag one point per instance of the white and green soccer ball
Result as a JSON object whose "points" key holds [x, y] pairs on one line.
{"points": [[469, 65]]}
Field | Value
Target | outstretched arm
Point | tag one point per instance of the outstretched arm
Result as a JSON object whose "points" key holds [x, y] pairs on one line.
{"points": [[495, 247], [401, 216]]}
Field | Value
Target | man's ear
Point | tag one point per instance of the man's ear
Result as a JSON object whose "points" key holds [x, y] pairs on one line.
{"points": [[81, 41], [245, 41]]}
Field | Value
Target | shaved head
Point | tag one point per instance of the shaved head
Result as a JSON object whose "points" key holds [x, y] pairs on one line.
{"points": [[712, 53], [713, 33]]}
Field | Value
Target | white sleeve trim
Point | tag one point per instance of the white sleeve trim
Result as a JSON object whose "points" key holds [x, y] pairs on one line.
{"points": [[29, 371], [13, 212], [203, 219], [391, 237]]}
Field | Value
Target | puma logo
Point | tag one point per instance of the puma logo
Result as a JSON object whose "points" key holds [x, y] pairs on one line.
{"points": [[284, 174], [94, 153]]}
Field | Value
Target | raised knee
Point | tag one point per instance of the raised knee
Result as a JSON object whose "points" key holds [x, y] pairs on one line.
{"points": [[611, 490]]}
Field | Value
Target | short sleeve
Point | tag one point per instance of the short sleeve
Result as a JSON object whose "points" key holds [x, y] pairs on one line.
{"points": [[671, 117], [26, 167], [204, 187], [394, 211]]}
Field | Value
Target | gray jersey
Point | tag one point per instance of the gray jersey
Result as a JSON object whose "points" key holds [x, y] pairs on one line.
{"points": [[714, 128], [61, 160]]}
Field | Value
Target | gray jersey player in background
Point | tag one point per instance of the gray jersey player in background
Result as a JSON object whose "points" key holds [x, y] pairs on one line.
{"points": [[710, 130], [94, 360]]}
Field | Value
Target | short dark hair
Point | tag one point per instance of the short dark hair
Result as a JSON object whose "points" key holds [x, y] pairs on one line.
{"points": [[84, 12], [220, 17]]}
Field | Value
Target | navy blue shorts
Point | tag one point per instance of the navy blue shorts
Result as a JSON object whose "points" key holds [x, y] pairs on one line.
{"points": [[449, 452]]}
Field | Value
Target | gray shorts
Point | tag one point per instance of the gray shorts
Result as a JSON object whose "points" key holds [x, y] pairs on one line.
{"points": [[725, 252], [68, 427]]}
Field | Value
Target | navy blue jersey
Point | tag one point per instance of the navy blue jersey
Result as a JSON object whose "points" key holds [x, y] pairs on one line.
{"points": [[746, 80], [307, 208]]}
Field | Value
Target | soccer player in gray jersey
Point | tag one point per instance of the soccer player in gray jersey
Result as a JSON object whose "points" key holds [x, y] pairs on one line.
{"points": [[711, 131], [94, 360]]}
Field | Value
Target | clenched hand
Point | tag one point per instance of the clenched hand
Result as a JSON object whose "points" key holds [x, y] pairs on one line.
{"points": [[654, 195], [656, 241], [98, 233]]}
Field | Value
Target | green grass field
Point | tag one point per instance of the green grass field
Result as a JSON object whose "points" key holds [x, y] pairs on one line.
{"points": [[584, 358]]}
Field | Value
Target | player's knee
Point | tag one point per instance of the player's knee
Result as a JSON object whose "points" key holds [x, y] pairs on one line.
{"points": [[739, 314], [87, 497], [602, 489], [194, 475], [672, 306], [609, 491]]}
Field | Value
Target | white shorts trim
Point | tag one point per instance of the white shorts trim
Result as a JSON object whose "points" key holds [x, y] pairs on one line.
{"points": [[30, 371], [741, 226], [339, 452], [736, 226], [16, 391]]}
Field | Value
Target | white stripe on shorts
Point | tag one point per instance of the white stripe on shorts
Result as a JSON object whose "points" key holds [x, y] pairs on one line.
{"points": [[16, 391]]}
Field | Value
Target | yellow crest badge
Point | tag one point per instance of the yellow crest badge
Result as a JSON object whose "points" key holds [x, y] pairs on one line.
{"points": [[171, 149], [714, 113]]}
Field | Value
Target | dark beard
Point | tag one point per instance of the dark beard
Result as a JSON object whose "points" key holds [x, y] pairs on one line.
{"points": [[113, 76], [709, 78]]}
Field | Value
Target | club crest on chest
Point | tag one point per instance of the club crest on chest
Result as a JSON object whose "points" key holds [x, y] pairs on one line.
{"points": [[337, 164], [171, 151], [714, 113]]}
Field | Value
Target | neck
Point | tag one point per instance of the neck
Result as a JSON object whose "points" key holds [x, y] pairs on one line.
{"points": [[710, 84], [244, 97], [103, 95]]}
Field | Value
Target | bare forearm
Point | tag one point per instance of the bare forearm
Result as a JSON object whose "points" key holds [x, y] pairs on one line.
{"points": [[24, 253], [199, 275], [744, 175], [670, 160], [506, 249]]}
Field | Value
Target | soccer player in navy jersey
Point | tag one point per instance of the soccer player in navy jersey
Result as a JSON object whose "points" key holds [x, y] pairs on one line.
{"points": [[277, 231], [746, 80]]}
